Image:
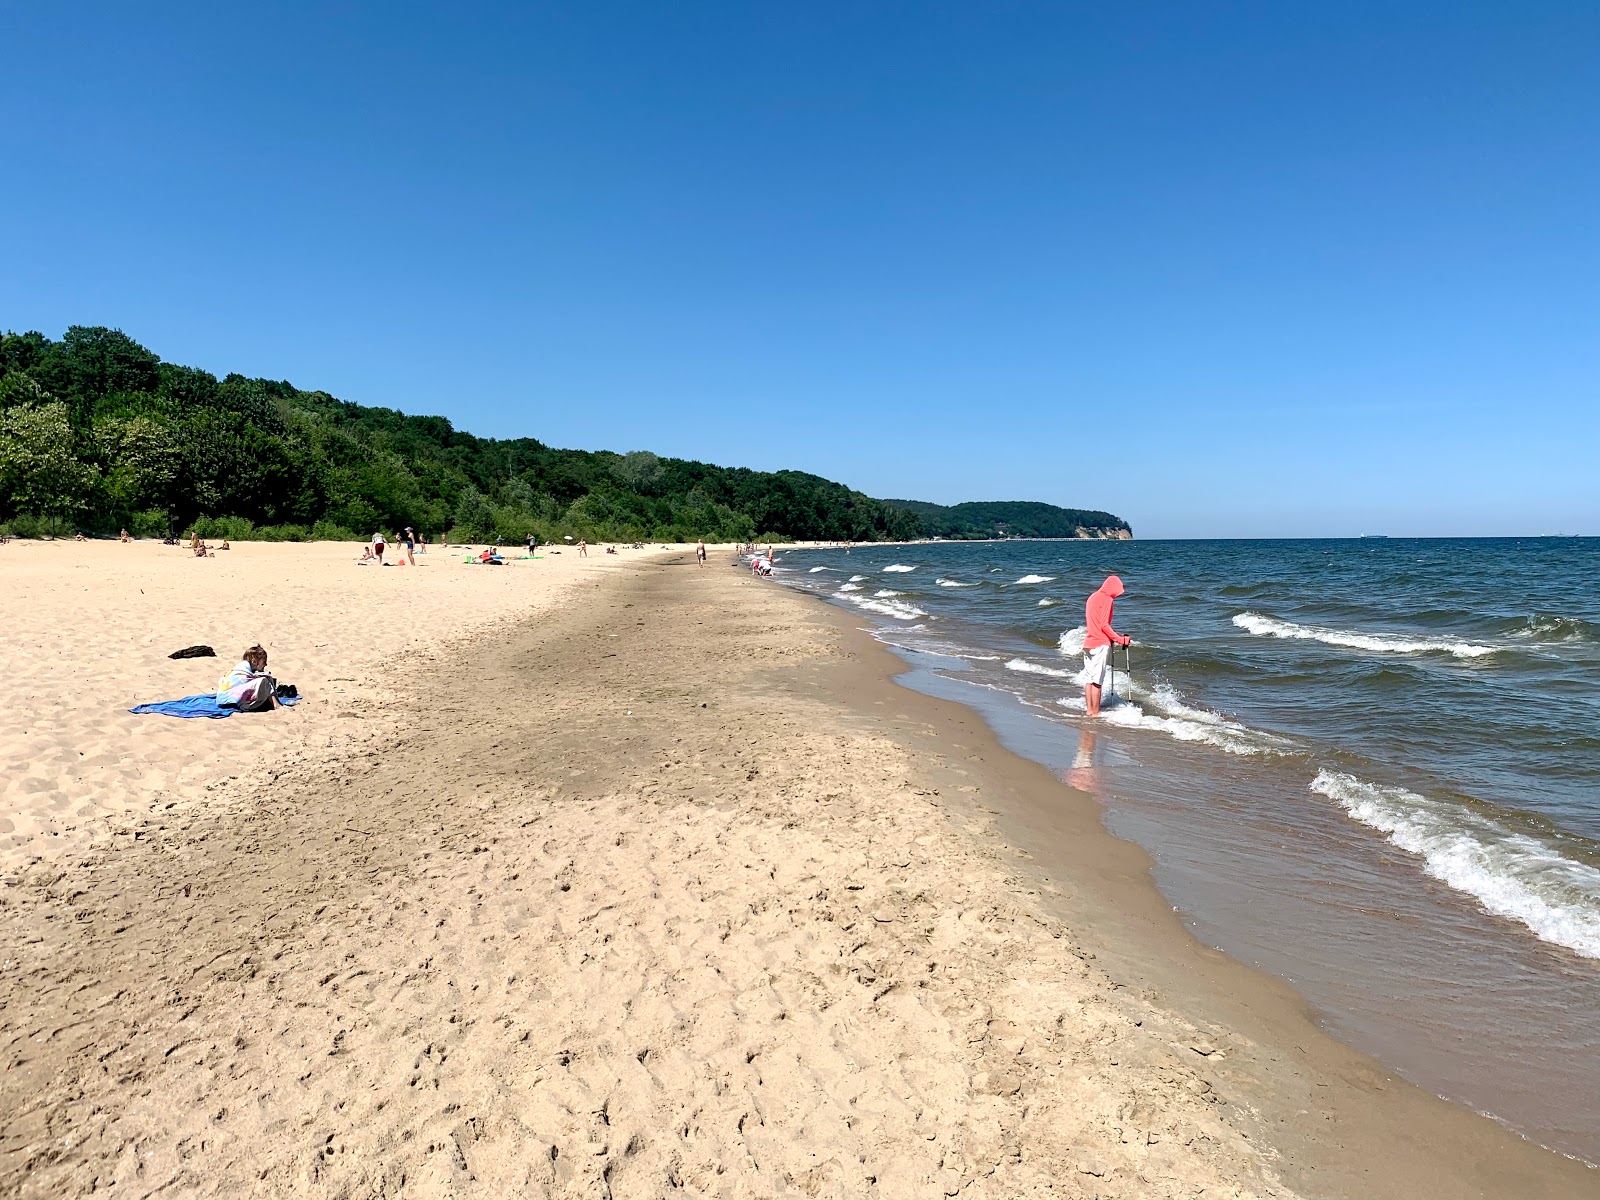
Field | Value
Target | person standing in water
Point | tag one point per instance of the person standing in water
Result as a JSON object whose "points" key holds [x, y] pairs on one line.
{"points": [[1098, 640]]}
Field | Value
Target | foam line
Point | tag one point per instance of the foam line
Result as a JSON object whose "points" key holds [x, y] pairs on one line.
{"points": [[1382, 643], [1511, 874]]}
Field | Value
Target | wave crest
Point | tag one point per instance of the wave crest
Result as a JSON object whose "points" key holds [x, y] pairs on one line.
{"points": [[1511, 874], [1382, 643]]}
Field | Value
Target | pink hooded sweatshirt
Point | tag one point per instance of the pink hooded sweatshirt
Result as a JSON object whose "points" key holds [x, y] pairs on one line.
{"points": [[1097, 616]]}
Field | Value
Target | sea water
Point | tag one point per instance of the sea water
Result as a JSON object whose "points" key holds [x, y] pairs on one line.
{"points": [[1371, 767]]}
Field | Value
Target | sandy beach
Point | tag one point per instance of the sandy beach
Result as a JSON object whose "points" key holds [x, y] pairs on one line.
{"points": [[606, 877]]}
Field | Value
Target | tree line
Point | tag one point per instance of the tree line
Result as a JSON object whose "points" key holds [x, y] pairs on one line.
{"points": [[98, 434]]}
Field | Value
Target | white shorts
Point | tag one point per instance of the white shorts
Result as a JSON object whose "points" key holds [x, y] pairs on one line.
{"points": [[1095, 663]]}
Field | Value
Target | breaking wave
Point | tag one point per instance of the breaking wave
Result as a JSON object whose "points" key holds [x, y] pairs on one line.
{"points": [[849, 587], [1071, 641], [1383, 643], [899, 567], [1511, 874], [1037, 579], [943, 582], [898, 609], [1546, 628], [1022, 664], [1164, 711]]}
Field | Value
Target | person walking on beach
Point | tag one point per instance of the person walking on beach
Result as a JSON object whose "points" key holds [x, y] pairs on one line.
{"points": [[700, 553], [1098, 640]]}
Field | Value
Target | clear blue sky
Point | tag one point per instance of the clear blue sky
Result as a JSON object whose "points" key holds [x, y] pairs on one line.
{"points": [[1222, 268]]}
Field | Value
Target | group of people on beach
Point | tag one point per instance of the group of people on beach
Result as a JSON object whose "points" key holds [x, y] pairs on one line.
{"points": [[411, 544]]}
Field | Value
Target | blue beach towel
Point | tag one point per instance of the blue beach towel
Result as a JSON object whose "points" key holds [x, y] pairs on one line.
{"points": [[203, 705]]}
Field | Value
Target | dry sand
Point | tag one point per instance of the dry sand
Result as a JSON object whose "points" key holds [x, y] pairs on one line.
{"points": [[625, 900], [88, 627]]}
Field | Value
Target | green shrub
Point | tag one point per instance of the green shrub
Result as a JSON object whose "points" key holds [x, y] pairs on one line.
{"points": [[30, 525], [281, 533], [233, 529], [332, 531], [152, 523]]}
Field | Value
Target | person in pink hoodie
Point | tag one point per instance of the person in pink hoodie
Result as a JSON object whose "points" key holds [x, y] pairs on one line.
{"points": [[1098, 639]]}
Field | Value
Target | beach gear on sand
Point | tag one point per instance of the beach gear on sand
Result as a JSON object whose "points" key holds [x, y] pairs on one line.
{"points": [[194, 652], [203, 705]]}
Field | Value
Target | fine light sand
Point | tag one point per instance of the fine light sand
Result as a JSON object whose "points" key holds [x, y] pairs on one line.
{"points": [[88, 627], [659, 890]]}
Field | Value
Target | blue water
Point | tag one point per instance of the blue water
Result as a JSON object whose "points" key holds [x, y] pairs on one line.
{"points": [[1398, 727]]}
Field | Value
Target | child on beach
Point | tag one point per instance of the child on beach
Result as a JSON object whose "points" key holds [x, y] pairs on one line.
{"points": [[248, 687]]}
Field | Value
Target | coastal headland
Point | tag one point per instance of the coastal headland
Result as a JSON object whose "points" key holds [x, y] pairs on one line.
{"points": [[614, 876]]}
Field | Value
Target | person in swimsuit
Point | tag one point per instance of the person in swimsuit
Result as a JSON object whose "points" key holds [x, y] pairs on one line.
{"points": [[700, 552]]}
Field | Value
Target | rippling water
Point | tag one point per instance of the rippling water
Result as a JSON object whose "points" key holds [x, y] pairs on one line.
{"points": [[1393, 740]]}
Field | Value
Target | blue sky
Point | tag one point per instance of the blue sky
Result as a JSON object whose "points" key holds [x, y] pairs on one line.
{"points": [[1225, 269]]}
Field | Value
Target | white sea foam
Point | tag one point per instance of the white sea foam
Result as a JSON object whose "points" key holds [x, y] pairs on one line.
{"points": [[1557, 629], [1048, 602], [899, 567], [1037, 579], [898, 609], [849, 587], [943, 582], [1384, 643], [1071, 642], [886, 593], [858, 578], [1163, 711], [1022, 664], [814, 570], [1511, 874]]}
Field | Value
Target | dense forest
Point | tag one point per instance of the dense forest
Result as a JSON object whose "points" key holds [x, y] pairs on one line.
{"points": [[98, 434]]}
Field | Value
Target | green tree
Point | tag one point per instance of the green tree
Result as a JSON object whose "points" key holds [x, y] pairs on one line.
{"points": [[38, 471], [474, 518], [639, 470], [143, 464]]}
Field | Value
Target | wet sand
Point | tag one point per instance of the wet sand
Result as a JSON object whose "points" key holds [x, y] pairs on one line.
{"points": [[666, 886]]}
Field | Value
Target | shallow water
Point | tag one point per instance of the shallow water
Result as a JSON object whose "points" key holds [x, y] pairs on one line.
{"points": [[1367, 766]]}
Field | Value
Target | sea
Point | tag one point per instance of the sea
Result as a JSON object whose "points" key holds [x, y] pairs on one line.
{"points": [[1370, 767]]}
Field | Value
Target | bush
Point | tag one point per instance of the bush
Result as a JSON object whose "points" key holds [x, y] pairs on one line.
{"points": [[331, 531], [29, 525], [152, 523], [281, 533], [233, 529]]}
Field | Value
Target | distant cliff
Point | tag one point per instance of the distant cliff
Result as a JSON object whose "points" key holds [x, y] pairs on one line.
{"points": [[1013, 518]]}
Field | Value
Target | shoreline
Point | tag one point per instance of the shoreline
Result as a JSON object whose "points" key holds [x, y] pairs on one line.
{"points": [[1330, 1111], [672, 883]]}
